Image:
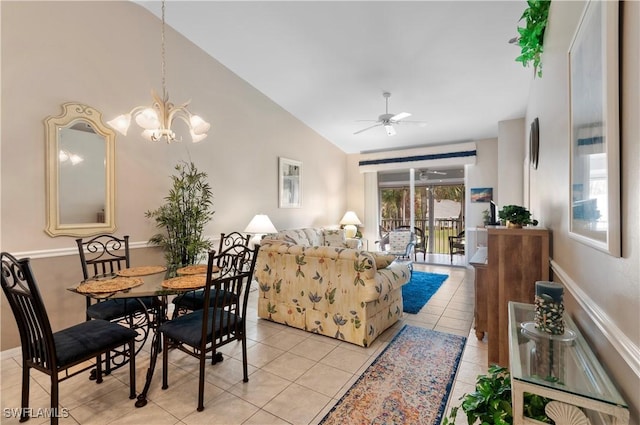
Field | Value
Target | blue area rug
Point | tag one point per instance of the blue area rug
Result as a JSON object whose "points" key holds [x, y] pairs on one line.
{"points": [[408, 383], [420, 288]]}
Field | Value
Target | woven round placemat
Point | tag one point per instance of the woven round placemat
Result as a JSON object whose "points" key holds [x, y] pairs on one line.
{"points": [[109, 285], [141, 271], [185, 282], [190, 270]]}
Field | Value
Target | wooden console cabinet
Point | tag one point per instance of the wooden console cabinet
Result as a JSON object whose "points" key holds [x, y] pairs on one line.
{"points": [[514, 260]]}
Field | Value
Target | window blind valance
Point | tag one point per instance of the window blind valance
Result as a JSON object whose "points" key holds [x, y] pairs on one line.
{"points": [[446, 155]]}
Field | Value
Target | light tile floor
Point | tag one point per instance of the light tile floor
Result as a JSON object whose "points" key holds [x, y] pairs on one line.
{"points": [[295, 376]]}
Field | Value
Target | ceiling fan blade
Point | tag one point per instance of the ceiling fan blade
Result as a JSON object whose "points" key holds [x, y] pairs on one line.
{"points": [[400, 116], [418, 123], [368, 128]]}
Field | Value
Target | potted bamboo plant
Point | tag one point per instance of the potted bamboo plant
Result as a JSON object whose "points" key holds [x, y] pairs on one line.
{"points": [[188, 208]]}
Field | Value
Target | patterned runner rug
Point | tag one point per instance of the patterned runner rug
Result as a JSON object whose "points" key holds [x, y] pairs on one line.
{"points": [[408, 383]]}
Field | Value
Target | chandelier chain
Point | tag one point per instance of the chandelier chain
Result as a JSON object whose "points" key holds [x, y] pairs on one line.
{"points": [[164, 87], [158, 119]]}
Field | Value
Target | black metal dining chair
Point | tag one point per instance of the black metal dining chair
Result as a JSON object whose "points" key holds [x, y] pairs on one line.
{"points": [[200, 333], [106, 255], [54, 353], [194, 300]]}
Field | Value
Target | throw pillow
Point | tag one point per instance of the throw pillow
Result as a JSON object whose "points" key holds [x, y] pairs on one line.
{"points": [[382, 260], [334, 237]]}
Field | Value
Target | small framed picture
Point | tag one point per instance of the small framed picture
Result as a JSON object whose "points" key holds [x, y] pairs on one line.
{"points": [[481, 194], [290, 183]]}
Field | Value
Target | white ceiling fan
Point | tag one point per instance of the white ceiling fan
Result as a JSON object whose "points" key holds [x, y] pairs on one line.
{"points": [[387, 120], [424, 174]]}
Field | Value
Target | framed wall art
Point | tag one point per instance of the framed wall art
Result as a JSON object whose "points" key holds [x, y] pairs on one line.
{"points": [[290, 183], [534, 143], [481, 194], [594, 211]]}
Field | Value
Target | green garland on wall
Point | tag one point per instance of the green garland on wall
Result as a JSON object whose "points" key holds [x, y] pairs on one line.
{"points": [[532, 34]]}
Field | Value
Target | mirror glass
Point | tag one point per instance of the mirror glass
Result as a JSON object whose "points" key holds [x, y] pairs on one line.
{"points": [[80, 165]]}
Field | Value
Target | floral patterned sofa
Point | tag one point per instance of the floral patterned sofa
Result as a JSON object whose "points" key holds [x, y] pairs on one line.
{"points": [[310, 279]]}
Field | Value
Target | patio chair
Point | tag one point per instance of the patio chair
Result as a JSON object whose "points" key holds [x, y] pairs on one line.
{"points": [[400, 243], [456, 245], [421, 241]]}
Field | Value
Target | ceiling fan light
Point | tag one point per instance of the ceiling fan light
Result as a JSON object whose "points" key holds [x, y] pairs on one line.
{"points": [[390, 130]]}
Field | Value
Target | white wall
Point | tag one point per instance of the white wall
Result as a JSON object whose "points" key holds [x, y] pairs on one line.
{"points": [[484, 173], [107, 55], [603, 292], [511, 155]]}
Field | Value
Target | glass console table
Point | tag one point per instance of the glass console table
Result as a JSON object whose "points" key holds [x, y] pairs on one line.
{"points": [[562, 368]]}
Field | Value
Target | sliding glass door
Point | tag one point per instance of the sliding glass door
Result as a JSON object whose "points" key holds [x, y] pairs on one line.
{"points": [[438, 208]]}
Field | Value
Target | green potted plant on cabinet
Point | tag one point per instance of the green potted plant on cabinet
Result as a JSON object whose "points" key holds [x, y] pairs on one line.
{"points": [[516, 216], [188, 208]]}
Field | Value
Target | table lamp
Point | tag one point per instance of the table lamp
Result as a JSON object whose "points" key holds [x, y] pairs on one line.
{"points": [[350, 220], [259, 225]]}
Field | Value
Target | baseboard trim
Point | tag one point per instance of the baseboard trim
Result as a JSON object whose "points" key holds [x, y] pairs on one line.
{"points": [[629, 352]]}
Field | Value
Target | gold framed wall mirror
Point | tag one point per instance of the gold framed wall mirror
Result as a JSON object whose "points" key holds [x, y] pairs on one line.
{"points": [[80, 173]]}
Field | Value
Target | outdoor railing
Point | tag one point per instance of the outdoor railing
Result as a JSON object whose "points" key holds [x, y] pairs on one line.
{"points": [[443, 228]]}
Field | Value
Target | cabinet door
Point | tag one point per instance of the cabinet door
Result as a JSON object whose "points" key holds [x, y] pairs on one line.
{"points": [[517, 259]]}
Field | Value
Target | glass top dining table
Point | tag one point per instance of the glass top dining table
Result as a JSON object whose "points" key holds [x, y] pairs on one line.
{"points": [[148, 282], [145, 281]]}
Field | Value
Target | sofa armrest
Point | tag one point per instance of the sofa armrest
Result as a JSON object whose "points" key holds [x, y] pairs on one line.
{"points": [[387, 280]]}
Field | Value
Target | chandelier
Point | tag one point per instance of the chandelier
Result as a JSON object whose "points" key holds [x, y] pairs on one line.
{"points": [[157, 119]]}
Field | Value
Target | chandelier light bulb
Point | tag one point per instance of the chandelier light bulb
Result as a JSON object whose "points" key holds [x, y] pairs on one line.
{"points": [[197, 137], [121, 123], [199, 125], [148, 119], [158, 119]]}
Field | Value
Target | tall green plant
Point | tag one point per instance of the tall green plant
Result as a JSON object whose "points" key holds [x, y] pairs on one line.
{"points": [[188, 208], [532, 34]]}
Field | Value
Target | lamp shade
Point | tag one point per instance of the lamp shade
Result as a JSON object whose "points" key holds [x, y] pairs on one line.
{"points": [[350, 217], [260, 224], [350, 220]]}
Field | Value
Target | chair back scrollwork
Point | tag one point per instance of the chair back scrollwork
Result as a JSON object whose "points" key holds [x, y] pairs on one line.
{"points": [[103, 254]]}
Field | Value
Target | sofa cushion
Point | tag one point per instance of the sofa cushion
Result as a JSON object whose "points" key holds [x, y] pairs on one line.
{"points": [[334, 237], [293, 236], [314, 236], [382, 260]]}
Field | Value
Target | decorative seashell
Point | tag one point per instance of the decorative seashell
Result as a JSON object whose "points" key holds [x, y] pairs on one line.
{"points": [[565, 414]]}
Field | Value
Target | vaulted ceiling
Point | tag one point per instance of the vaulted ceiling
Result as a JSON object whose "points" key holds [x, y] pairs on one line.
{"points": [[448, 63]]}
